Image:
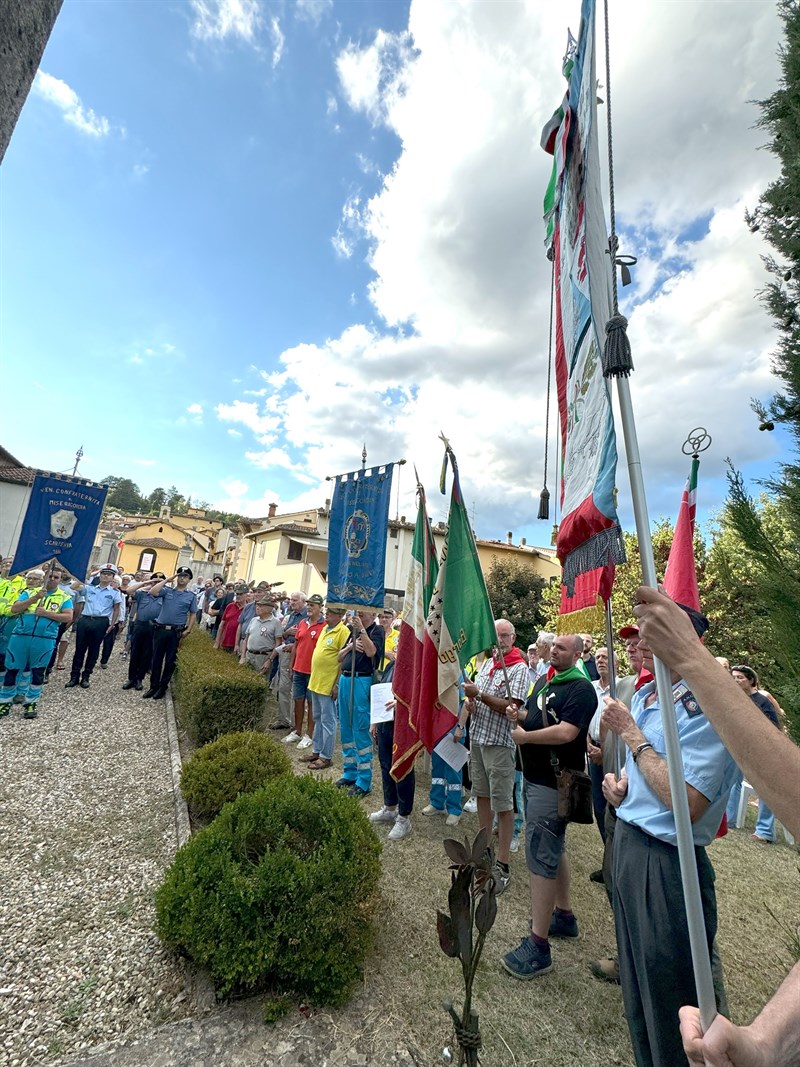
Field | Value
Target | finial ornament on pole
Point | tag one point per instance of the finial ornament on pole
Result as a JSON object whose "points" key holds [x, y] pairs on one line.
{"points": [[78, 458], [698, 441]]}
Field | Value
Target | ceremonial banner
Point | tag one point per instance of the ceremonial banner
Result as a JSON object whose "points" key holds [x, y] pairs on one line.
{"points": [[357, 537], [589, 538], [407, 677], [459, 624], [680, 579], [61, 523]]}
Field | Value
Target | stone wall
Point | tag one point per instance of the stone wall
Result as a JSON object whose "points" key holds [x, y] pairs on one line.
{"points": [[25, 27]]}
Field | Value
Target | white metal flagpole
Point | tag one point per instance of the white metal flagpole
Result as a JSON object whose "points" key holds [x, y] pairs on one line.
{"points": [[618, 364]]}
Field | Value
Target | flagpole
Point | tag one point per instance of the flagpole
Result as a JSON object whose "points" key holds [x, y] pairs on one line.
{"points": [[612, 678], [680, 802]]}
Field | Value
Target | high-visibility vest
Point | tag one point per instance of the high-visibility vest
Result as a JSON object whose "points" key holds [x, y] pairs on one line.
{"points": [[10, 588]]}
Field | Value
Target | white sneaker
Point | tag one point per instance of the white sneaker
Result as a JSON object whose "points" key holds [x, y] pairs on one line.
{"points": [[515, 843], [471, 805], [304, 742], [384, 814], [401, 828], [452, 820], [429, 809], [293, 736]]}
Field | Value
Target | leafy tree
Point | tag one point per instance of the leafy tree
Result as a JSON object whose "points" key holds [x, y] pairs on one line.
{"points": [[767, 530], [124, 496], [175, 500], [515, 592], [156, 501]]}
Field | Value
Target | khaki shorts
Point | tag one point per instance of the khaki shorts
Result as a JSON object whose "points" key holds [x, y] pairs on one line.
{"points": [[491, 768]]}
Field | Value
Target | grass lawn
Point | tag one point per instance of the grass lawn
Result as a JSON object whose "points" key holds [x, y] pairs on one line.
{"points": [[567, 1017]]}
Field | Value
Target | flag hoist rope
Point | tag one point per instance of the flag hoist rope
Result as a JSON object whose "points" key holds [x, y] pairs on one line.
{"points": [[617, 363]]}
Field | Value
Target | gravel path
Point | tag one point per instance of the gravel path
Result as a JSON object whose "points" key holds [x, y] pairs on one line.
{"points": [[87, 827]]}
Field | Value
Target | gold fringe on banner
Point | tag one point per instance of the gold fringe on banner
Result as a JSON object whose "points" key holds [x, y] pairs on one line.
{"points": [[587, 620]]}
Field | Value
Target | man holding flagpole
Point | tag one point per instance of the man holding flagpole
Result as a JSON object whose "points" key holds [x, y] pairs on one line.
{"points": [[655, 960]]}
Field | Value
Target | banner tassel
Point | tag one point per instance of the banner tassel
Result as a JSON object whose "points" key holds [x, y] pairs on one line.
{"points": [[617, 358], [544, 504]]}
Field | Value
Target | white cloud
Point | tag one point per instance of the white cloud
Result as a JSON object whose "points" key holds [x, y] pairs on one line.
{"points": [[312, 10], [195, 409], [234, 433], [460, 283], [140, 170], [235, 488], [58, 93], [331, 105], [141, 353], [217, 20], [278, 41]]}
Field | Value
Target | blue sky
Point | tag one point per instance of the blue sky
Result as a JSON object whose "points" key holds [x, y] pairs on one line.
{"points": [[240, 239]]}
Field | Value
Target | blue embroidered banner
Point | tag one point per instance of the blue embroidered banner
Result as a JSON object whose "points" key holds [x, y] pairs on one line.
{"points": [[60, 523], [357, 537]]}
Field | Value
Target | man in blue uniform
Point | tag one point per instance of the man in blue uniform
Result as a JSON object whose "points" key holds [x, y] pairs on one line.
{"points": [[100, 613], [145, 610], [39, 613], [655, 960], [177, 616]]}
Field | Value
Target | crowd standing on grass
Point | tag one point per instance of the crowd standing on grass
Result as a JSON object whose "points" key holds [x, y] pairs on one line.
{"points": [[524, 720]]}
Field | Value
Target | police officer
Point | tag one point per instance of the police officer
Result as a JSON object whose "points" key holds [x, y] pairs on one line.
{"points": [[177, 616], [39, 614], [99, 616], [145, 609]]}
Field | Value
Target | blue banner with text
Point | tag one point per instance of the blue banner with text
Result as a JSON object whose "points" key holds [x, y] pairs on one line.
{"points": [[60, 523], [357, 537]]}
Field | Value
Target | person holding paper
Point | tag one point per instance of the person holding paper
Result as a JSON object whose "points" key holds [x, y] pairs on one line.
{"points": [[398, 797], [446, 790]]}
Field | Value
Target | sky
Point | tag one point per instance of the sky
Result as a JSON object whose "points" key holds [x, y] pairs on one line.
{"points": [[241, 240]]}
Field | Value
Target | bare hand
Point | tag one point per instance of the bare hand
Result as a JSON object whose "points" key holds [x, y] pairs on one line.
{"points": [[471, 690], [616, 716], [373, 731], [512, 713], [615, 790], [594, 753], [519, 736], [724, 1045], [665, 628]]}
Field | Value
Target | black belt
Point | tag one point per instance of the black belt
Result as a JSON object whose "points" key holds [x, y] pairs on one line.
{"points": [[97, 618], [165, 626]]}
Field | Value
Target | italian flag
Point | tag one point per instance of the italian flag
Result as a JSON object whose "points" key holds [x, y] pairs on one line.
{"points": [[460, 622], [680, 579], [408, 663]]}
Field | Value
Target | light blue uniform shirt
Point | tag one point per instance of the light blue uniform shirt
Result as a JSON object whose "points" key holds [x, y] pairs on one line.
{"points": [[176, 604], [707, 766], [99, 601], [147, 607]]}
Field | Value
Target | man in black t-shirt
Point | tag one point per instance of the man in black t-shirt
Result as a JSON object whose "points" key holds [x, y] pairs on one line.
{"points": [[553, 723]]}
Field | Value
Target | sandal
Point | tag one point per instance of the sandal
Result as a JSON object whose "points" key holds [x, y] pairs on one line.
{"points": [[319, 764], [312, 757]]}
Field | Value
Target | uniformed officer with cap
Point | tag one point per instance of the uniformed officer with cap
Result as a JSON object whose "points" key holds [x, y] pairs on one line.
{"points": [[146, 610], [178, 615], [100, 613]]}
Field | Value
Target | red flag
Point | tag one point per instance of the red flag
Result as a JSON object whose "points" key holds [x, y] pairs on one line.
{"points": [[680, 580], [407, 678]]}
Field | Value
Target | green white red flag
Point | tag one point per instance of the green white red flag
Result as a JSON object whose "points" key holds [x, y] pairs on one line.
{"points": [[408, 662], [460, 622], [680, 579]]}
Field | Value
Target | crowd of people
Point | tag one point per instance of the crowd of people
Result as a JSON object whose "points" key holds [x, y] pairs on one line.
{"points": [[526, 719]]}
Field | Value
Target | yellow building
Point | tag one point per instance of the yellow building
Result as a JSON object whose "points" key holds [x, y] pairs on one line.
{"points": [[144, 542], [543, 561]]}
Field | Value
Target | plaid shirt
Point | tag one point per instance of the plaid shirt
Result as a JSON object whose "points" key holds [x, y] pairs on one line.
{"points": [[488, 727]]}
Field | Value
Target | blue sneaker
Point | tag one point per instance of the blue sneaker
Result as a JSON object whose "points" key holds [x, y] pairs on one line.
{"points": [[563, 927], [528, 960]]}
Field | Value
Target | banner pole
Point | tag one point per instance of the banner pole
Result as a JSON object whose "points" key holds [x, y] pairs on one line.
{"points": [[612, 679], [701, 963]]}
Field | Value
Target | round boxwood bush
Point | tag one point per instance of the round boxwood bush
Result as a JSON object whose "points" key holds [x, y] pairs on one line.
{"points": [[278, 892], [235, 763]]}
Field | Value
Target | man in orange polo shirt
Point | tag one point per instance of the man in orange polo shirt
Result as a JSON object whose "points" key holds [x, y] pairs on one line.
{"points": [[305, 641]]}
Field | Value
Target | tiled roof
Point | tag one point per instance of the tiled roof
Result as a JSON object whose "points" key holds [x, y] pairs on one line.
{"points": [[150, 542], [22, 475]]}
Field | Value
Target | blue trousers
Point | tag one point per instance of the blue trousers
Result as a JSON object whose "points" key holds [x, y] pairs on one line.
{"points": [[8, 624], [355, 738], [324, 710], [395, 794], [445, 793], [765, 823], [27, 657]]}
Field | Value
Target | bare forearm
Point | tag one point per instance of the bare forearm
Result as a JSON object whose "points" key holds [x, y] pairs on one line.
{"points": [[778, 1025], [559, 734], [769, 759]]}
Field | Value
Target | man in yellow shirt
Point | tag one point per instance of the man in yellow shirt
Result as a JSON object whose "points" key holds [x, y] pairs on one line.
{"points": [[391, 636], [323, 685]]}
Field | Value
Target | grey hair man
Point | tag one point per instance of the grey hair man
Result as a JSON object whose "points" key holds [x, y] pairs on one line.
{"points": [[297, 611]]}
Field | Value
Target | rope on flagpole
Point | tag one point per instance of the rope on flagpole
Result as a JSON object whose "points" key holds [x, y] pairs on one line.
{"points": [[544, 496], [614, 366]]}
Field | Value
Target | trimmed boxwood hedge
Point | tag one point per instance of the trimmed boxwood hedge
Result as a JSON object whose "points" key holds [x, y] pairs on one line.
{"points": [[279, 892], [235, 763], [215, 694]]}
